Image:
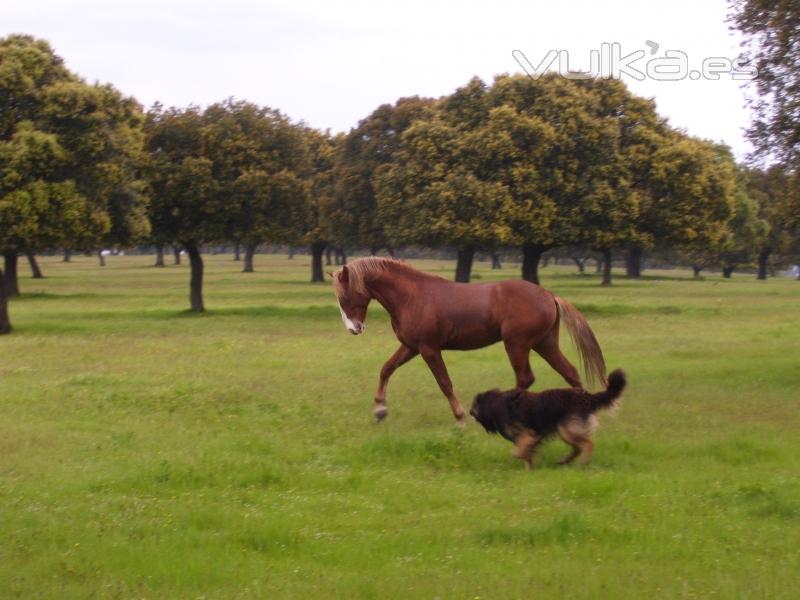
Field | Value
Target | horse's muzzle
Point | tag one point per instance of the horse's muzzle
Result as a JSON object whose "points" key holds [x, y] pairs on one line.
{"points": [[356, 327]]}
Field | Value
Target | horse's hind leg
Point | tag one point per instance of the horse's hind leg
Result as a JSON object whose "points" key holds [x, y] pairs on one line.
{"points": [[548, 349], [519, 355], [399, 358]]}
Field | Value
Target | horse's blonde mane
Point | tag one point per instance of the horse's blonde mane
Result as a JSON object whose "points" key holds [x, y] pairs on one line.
{"points": [[362, 270]]}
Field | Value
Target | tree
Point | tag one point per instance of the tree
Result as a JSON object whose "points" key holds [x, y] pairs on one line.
{"points": [[578, 133], [102, 132], [272, 203], [433, 193], [775, 192], [5, 322], [259, 160], [36, 209], [745, 232], [70, 153], [127, 211], [772, 45], [351, 214], [320, 180], [641, 138], [186, 206], [687, 198], [27, 66]]}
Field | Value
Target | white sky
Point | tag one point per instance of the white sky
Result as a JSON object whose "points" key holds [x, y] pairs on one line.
{"points": [[332, 63]]}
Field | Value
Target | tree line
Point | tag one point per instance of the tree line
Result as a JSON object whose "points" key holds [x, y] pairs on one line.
{"points": [[518, 163]]}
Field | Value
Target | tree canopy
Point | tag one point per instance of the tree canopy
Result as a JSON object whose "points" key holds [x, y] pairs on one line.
{"points": [[771, 44], [69, 157]]}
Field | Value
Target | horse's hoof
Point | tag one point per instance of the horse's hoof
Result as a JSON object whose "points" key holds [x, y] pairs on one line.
{"points": [[461, 423], [380, 414]]}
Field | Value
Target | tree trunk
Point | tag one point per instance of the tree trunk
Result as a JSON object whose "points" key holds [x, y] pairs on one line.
{"points": [[249, 252], [237, 252], [464, 264], [606, 252], [196, 280], [10, 279], [531, 255], [176, 251], [390, 250], [342, 256], [696, 270], [633, 261], [496, 264], [727, 272], [37, 272], [598, 268], [101, 258], [67, 255], [317, 250], [328, 252], [5, 324], [159, 256], [291, 252], [580, 262], [763, 258]]}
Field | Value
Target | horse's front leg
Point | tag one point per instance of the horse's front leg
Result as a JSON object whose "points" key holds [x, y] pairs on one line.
{"points": [[433, 358], [399, 358]]}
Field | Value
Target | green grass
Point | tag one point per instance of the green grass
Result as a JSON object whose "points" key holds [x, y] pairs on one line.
{"points": [[147, 452]]}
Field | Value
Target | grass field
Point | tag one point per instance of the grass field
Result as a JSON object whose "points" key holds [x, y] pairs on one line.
{"points": [[149, 453]]}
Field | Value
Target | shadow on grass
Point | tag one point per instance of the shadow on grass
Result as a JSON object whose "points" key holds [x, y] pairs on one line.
{"points": [[125, 320], [454, 450], [50, 296]]}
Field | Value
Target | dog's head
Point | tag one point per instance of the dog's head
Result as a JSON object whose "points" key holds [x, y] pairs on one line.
{"points": [[488, 409]]}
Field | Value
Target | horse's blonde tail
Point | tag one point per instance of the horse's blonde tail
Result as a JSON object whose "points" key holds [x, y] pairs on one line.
{"points": [[592, 361]]}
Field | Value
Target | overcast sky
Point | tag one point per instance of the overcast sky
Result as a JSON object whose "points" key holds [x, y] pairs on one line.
{"points": [[332, 63]]}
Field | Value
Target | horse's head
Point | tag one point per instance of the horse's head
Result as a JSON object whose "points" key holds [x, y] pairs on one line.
{"points": [[352, 301]]}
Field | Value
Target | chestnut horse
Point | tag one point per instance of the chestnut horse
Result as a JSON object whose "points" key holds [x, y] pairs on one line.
{"points": [[430, 314]]}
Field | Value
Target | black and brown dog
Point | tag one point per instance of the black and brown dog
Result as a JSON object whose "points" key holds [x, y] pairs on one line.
{"points": [[527, 418]]}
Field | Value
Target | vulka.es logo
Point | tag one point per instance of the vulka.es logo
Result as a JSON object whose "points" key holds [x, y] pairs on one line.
{"points": [[609, 62]]}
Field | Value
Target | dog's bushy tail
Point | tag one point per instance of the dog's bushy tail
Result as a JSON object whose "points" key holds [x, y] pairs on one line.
{"points": [[616, 383]]}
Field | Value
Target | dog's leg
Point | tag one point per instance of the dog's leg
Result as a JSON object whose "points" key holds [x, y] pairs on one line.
{"points": [[571, 456], [526, 443], [576, 432], [587, 449]]}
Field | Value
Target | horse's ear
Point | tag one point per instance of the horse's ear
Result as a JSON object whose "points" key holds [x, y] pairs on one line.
{"points": [[345, 274], [331, 274]]}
